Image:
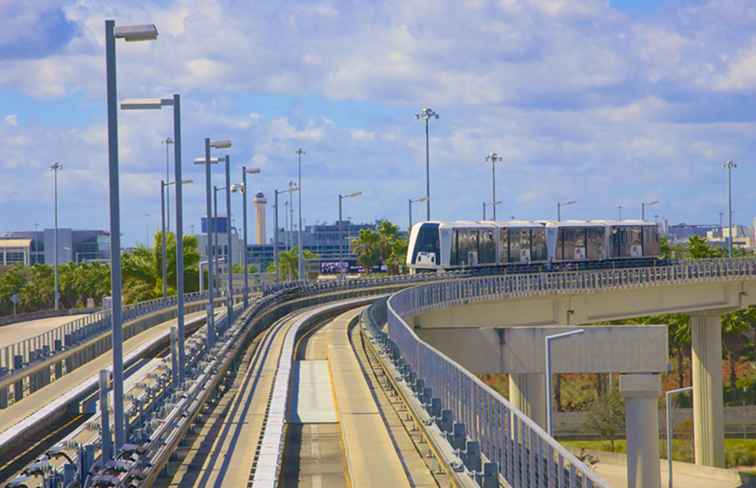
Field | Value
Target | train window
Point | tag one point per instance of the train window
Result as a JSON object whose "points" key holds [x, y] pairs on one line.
{"points": [[538, 251], [595, 241], [467, 244], [651, 241], [487, 248], [503, 245], [514, 245], [569, 241], [427, 242], [636, 242]]}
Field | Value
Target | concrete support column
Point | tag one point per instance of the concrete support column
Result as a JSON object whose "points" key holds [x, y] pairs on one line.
{"points": [[641, 392], [708, 401], [527, 392]]}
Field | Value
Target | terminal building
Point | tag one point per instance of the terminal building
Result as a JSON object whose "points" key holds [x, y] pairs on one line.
{"points": [[38, 246]]}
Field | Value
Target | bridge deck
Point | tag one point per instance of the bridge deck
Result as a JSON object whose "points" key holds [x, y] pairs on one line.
{"points": [[12, 333]]}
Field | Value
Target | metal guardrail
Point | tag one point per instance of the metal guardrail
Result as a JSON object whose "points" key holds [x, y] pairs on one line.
{"points": [[465, 407], [27, 352]]}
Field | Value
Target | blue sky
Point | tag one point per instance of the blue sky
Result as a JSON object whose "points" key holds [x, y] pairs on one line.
{"points": [[605, 102]]}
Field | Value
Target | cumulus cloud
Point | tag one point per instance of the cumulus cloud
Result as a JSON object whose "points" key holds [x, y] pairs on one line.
{"points": [[582, 100]]}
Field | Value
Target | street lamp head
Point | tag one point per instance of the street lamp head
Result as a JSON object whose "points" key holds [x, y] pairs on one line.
{"points": [[168, 140], [352, 195], [730, 164], [134, 33], [56, 166], [253, 171], [237, 188], [221, 144], [493, 157], [147, 104], [426, 113], [203, 161]]}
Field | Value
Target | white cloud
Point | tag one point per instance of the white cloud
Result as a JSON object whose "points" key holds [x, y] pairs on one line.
{"points": [[11, 120]]}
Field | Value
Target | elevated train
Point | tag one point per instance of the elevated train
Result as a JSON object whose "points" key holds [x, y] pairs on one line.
{"points": [[525, 246]]}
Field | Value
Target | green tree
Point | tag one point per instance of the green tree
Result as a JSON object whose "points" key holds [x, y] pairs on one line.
{"points": [[698, 248], [607, 417], [143, 272], [288, 262], [367, 248], [735, 327]]}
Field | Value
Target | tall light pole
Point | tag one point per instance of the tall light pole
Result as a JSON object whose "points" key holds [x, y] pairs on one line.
{"points": [[341, 227], [56, 289], [668, 397], [157, 104], [490, 204], [207, 161], [410, 201], [244, 189], [301, 264], [493, 158], [426, 114], [548, 340], [729, 165], [164, 239], [275, 237], [167, 141], [484, 210], [129, 34], [563, 204], [292, 189], [619, 212], [229, 247], [286, 225], [647, 204]]}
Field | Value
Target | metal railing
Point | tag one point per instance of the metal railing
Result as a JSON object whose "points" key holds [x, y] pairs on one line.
{"points": [[470, 412]]}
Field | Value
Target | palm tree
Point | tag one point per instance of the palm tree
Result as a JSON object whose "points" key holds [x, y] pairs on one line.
{"points": [[288, 261], [367, 248]]}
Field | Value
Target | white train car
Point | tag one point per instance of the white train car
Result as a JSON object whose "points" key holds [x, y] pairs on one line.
{"points": [[436, 245]]}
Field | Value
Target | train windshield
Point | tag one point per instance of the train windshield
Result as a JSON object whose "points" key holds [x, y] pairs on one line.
{"points": [[427, 242]]}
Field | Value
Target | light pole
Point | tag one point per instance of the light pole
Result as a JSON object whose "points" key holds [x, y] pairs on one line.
{"points": [[129, 34], [157, 104], [563, 204], [647, 204], [409, 206], [167, 141], [301, 264], [244, 188], [548, 340], [286, 225], [619, 212], [275, 237], [56, 289], [493, 158], [491, 204], [668, 398], [426, 114], [721, 225], [292, 187], [341, 227], [729, 165], [229, 251], [163, 213], [207, 161]]}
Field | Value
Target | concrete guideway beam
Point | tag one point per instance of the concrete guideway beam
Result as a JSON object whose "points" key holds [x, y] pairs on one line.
{"points": [[641, 392], [708, 401], [521, 350]]}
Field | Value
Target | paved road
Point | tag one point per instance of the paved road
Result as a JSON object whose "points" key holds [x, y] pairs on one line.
{"points": [[616, 476], [10, 334]]}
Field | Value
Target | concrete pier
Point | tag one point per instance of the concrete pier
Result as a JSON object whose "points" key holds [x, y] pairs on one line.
{"points": [[527, 392], [641, 393], [708, 401]]}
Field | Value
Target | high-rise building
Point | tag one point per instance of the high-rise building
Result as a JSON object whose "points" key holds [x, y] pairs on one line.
{"points": [[260, 203]]}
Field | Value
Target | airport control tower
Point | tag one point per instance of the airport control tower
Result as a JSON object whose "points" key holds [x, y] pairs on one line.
{"points": [[260, 203]]}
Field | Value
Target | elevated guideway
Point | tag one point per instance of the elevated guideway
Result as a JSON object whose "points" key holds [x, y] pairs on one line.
{"points": [[20, 331]]}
